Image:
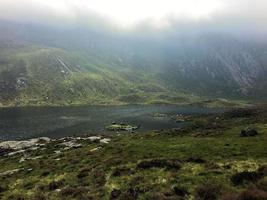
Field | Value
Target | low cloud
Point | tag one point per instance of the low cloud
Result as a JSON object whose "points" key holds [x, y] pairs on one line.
{"points": [[237, 16]]}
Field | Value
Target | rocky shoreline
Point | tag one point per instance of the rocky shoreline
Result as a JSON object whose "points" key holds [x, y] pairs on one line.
{"points": [[11, 148], [25, 149]]}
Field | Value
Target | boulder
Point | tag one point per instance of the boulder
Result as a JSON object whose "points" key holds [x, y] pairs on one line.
{"points": [[70, 144], [94, 138], [105, 140], [248, 133]]}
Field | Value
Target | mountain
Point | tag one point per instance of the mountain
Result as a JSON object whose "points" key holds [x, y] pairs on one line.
{"points": [[62, 66]]}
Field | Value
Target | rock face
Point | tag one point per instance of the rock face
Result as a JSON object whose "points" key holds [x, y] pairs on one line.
{"points": [[248, 133]]}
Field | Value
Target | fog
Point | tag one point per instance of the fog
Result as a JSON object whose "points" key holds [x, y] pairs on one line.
{"points": [[239, 17]]}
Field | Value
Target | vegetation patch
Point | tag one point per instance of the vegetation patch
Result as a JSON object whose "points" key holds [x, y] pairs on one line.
{"points": [[241, 178], [208, 192], [162, 164]]}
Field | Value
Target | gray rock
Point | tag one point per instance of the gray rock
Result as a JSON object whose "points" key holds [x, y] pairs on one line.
{"points": [[17, 145], [94, 138], [105, 140], [11, 172], [70, 145], [95, 149]]}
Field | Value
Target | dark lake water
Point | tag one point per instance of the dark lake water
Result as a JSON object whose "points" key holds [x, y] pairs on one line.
{"points": [[29, 122]]}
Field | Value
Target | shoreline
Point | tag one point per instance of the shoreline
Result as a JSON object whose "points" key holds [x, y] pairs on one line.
{"points": [[209, 155], [206, 103]]}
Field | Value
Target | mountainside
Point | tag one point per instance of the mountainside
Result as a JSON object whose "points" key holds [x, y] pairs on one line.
{"points": [[40, 66], [35, 75]]}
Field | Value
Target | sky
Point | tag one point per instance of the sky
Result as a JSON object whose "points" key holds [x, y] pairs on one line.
{"points": [[128, 14]]}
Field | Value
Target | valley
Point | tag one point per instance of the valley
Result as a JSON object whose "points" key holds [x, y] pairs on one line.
{"points": [[133, 100]]}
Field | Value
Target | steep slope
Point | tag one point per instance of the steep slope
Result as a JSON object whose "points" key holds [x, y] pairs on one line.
{"points": [[55, 66], [33, 75], [219, 67]]}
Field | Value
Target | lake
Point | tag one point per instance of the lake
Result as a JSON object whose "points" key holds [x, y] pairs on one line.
{"points": [[29, 122]]}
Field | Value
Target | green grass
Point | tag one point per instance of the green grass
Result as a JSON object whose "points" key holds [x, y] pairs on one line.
{"points": [[92, 80], [210, 151]]}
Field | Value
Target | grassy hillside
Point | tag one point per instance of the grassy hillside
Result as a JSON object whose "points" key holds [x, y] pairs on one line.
{"points": [[34, 75], [207, 160], [43, 65]]}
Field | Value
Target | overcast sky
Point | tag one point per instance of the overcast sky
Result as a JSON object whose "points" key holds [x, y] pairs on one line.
{"points": [[127, 14]]}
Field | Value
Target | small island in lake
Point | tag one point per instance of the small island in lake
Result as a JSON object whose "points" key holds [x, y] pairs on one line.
{"points": [[122, 127]]}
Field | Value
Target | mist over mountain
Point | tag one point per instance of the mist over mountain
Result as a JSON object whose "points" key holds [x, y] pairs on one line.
{"points": [[93, 59], [77, 63], [133, 99]]}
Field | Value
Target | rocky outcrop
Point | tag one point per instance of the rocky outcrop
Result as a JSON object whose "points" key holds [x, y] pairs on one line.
{"points": [[12, 148], [18, 145], [248, 133]]}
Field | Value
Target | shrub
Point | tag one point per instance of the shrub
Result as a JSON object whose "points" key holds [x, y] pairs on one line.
{"points": [[131, 194], [248, 133], [115, 194], [45, 173], [39, 196], [160, 163], [249, 194], [55, 185], [208, 192], [73, 192], [17, 197], [262, 184], [241, 178], [253, 194], [83, 173], [123, 171], [2, 189], [180, 191], [196, 160], [263, 170]]}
